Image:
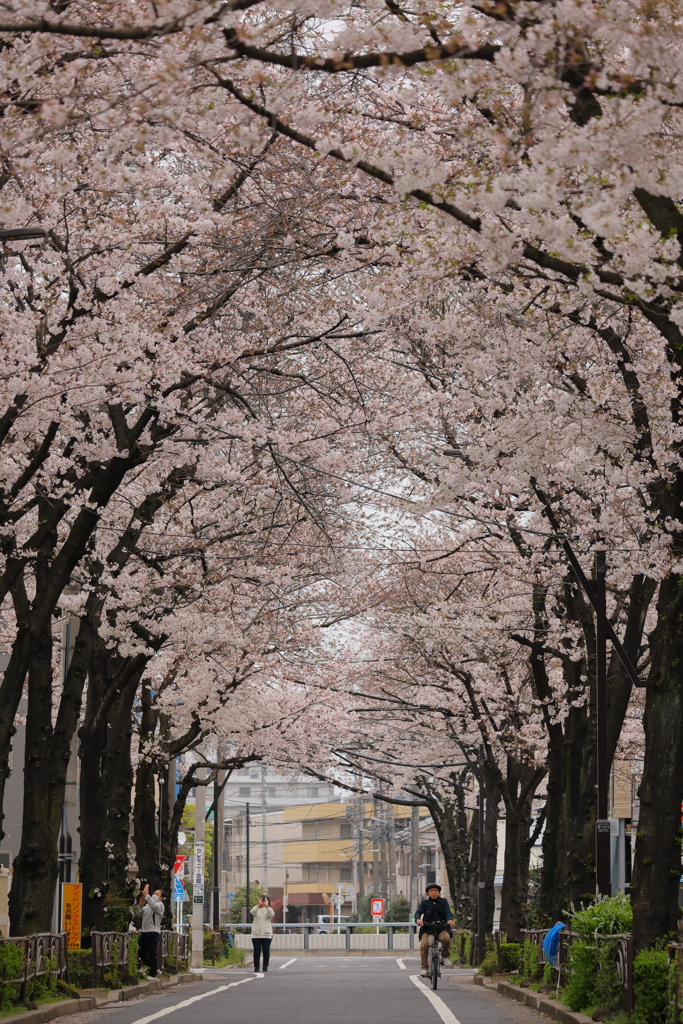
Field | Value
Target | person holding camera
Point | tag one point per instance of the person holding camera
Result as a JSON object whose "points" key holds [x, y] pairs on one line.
{"points": [[262, 931], [150, 930]]}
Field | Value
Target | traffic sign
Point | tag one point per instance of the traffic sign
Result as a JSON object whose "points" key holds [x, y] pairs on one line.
{"points": [[178, 888], [231, 895], [377, 906]]}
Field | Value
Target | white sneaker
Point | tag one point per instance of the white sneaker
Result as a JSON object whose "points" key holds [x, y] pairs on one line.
{"points": [[425, 974], [150, 978]]}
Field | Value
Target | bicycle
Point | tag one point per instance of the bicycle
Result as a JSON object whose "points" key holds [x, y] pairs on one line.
{"points": [[435, 951]]}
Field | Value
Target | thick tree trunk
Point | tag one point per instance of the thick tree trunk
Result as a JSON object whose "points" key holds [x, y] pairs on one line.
{"points": [[93, 805], [491, 845], [657, 868], [36, 867], [522, 782], [47, 754]]}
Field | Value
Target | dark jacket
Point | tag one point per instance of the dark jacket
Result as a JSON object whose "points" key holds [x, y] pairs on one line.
{"points": [[434, 910]]}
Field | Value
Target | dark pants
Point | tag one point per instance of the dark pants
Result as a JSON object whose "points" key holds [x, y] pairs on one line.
{"points": [[259, 945], [148, 950]]}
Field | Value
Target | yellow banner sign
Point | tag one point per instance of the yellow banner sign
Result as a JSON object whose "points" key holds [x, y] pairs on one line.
{"points": [[71, 913]]}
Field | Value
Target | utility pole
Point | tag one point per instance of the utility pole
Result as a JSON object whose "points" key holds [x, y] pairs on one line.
{"points": [[481, 901], [375, 850], [383, 851], [264, 843], [602, 829], [198, 875], [218, 832], [360, 855], [247, 908], [414, 856], [391, 849]]}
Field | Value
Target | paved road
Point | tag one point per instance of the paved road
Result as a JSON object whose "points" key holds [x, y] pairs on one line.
{"points": [[319, 990]]}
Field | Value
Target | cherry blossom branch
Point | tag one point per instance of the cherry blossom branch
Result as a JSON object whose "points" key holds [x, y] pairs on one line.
{"points": [[456, 49]]}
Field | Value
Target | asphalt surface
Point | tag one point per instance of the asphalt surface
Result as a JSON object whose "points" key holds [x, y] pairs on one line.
{"points": [[317, 990]]}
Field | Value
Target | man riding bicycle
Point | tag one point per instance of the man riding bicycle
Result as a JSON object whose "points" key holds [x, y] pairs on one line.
{"points": [[434, 911]]}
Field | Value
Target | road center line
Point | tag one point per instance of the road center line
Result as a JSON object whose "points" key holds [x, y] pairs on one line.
{"points": [[446, 1015], [401, 964], [282, 966], [188, 1002]]}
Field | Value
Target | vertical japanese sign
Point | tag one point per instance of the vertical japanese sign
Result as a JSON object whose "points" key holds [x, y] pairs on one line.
{"points": [[198, 877], [72, 893]]}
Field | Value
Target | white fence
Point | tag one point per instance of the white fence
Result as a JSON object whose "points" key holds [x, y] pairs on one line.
{"points": [[362, 941]]}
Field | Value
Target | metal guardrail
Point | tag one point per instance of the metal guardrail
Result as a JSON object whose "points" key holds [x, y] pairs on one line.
{"points": [[109, 949], [341, 929], [44, 953], [112, 949], [174, 947]]}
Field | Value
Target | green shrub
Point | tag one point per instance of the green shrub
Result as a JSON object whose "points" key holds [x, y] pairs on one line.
{"points": [[80, 967], [549, 975], [489, 964], [510, 955], [239, 899], [609, 915], [529, 959], [582, 971], [650, 974], [398, 909], [11, 963], [609, 990]]}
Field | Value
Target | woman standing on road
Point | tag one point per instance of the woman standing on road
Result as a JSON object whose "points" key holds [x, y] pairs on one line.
{"points": [[262, 931]]}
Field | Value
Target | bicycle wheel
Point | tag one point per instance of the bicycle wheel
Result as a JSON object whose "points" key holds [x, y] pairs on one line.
{"points": [[434, 969]]}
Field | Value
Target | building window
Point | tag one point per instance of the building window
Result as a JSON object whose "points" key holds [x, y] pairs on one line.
{"points": [[346, 830], [345, 875], [245, 790], [312, 791], [270, 791]]}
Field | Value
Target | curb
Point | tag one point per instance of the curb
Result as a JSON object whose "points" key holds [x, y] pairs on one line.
{"points": [[556, 1011], [65, 1007]]}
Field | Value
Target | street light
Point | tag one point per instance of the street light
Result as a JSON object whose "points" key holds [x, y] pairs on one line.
{"points": [[20, 233]]}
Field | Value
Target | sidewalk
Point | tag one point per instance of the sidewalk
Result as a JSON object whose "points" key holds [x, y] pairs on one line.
{"points": [[94, 998]]}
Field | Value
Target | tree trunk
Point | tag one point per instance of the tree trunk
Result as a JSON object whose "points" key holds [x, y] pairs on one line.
{"points": [[657, 868], [522, 782], [36, 867], [490, 846], [93, 809], [47, 754]]}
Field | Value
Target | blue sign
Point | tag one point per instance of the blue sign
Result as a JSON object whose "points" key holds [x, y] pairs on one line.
{"points": [[231, 895], [178, 888]]}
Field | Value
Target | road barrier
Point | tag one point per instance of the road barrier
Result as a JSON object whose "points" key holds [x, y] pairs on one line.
{"points": [[42, 954], [398, 935], [112, 949]]}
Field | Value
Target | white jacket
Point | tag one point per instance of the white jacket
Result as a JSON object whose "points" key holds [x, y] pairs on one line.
{"points": [[262, 928]]}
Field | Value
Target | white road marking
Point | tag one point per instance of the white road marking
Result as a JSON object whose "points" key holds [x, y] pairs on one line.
{"points": [[188, 1002], [401, 964], [282, 966], [446, 1015]]}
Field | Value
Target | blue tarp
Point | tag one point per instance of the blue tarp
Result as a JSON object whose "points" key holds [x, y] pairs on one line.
{"points": [[551, 942]]}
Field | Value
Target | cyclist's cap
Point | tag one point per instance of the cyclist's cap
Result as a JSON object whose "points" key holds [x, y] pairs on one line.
{"points": [[433, 885]]}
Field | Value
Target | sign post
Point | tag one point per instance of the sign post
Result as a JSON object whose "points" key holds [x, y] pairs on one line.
{"points": [[72, 905], [178, 890], [198, 871], [377, 910]]}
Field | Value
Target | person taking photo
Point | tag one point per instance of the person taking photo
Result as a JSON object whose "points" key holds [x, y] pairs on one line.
{"points": [[262, 931], [150, 930]]}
